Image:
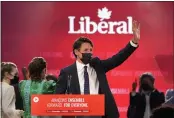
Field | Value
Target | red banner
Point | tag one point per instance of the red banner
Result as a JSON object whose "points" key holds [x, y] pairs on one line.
{"points": [[49, 29], [67, 105]]}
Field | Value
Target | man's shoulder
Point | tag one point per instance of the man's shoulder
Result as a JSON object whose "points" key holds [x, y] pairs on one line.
{"points": [[95, 60], [157, 92], [72, 66], [68, 68]]}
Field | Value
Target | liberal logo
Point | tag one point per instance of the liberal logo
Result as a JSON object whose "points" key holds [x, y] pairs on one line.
{"points": [[105, 26]]}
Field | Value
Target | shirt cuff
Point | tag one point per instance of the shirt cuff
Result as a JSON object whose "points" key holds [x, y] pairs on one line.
{"points": [[133, 44]]}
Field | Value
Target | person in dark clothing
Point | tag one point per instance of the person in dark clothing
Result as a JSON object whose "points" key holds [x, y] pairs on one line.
{"points": [[87, 75], [165, 111], [148, 98], [14, 83]]}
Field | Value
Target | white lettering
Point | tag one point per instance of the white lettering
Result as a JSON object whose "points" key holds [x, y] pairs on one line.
{"points": [[111, 28], [87, 26], [82, 25], [122, 28], [71, 25], [130, 24], [102, 27]]}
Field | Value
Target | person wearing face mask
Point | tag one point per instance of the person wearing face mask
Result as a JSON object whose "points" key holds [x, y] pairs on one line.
{"points": [[148, 98], [8, 109], [88, 74], [15, 82]]}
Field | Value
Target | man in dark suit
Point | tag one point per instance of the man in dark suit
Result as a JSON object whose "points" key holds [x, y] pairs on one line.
{"points": [[148, 98], [88, 75]]}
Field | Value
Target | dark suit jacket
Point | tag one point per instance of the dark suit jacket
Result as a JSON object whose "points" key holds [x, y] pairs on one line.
{"points": [[101, 67], [137, 105]]}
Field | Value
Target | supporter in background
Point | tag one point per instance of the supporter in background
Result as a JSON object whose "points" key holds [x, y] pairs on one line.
{"points": [[146, 99], [36, 84], [15, 83], [8, 72], [169, 97], [163, 112]]}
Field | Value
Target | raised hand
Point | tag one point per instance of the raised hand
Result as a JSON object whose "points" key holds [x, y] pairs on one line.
{"points": [[134, 85], [136, 31], [25, 73]]}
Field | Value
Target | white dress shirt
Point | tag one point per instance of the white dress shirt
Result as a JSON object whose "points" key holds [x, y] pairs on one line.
{"points": [[93, 81], [147, 112]]}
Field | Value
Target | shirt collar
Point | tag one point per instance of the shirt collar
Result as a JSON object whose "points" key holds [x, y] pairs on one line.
{"points": [[147, 92], [80, 66]]}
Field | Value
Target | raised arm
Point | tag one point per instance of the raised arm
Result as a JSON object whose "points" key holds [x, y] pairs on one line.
{"points": [[123, 54]]}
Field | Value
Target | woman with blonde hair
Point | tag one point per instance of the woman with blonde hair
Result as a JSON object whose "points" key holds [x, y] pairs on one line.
{"points": [[8, 110]]}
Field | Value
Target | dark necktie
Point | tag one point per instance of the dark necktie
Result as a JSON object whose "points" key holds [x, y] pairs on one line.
{"points": [[87, 91], [86, 82]]}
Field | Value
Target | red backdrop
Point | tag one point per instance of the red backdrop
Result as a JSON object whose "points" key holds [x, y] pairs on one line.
{"points": [[32, 29]]}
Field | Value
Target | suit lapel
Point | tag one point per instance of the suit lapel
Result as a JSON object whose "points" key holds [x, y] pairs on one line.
{"points": [[75, 86]]}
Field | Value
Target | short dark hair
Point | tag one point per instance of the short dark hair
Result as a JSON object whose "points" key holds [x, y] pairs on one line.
{"points": [[148, 75], [163, 111], [51, 77], [77, 44], [6, 67], [36, 67]]}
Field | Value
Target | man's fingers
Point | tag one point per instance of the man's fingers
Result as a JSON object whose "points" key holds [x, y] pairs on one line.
{"points": [[136, 25]]}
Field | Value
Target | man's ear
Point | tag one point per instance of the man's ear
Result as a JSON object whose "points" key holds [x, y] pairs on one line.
{"points": [[76, 52]]}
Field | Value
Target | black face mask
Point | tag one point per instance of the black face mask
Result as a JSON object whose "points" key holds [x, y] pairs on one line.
{"points": [[146, 87], [15, 80], [86, 58]]}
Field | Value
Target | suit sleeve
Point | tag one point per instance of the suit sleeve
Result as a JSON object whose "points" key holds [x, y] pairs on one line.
{"points": [[133, 97], [8, 104], [118, 58], [61, 83]]}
